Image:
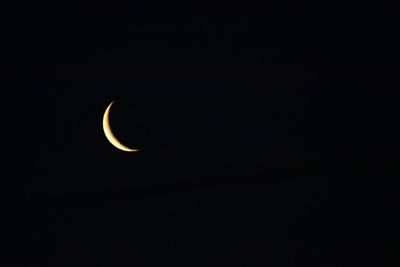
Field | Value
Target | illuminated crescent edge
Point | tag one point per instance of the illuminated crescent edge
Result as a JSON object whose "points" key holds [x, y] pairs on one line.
{"points": [[110, 135]]}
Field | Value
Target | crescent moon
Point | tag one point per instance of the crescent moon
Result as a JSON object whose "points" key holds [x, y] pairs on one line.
{"points": [[110, 135]]}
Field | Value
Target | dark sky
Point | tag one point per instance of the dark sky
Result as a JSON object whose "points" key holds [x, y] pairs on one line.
{"points": [[264, 140]]}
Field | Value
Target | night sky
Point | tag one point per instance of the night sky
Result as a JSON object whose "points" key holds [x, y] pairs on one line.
{"points": [[264, 141]]}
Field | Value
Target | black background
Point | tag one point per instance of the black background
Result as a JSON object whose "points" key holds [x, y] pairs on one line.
{"points": [[265, 138]]}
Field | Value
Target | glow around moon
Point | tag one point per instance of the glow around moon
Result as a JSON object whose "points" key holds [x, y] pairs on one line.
{"points": [[110, 135]]}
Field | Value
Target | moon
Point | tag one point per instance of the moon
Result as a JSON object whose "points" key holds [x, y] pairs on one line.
{"points": [[109, 133]]}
